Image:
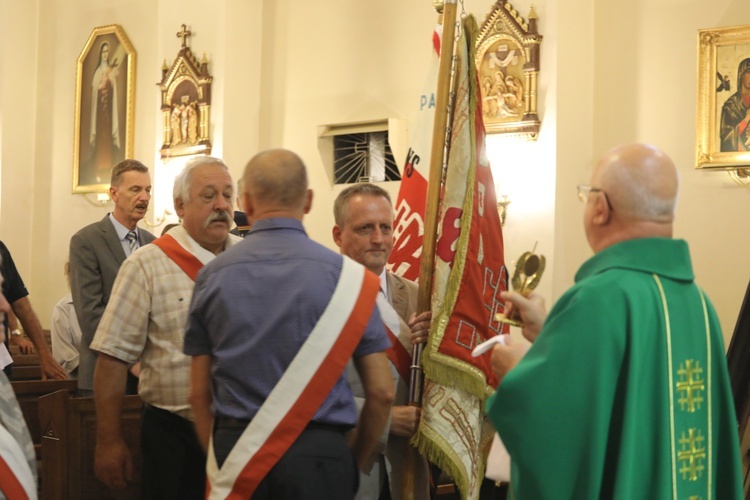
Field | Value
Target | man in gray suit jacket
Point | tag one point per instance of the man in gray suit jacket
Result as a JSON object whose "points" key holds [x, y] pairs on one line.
{"points": [[96, 252], [364, 232]]}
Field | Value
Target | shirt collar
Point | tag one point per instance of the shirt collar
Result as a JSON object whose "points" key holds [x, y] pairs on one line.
{"points": [[665, 257], [384, 283], [121, 230], [180, 234], [276, 223]]}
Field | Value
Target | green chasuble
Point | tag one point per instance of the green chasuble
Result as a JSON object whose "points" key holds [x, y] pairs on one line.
{"points": [[625, 393]]}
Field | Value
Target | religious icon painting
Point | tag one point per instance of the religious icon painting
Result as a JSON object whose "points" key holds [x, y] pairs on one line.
{"points": [[507, 61], [105, 96], [186, 103], [723, 115]]}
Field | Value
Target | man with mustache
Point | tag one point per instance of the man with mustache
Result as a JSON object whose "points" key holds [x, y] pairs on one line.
{"points": [[145, 320], [98, 250]]}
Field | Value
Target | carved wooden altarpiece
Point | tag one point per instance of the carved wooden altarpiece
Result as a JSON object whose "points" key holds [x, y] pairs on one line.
{"points": [[185, 103], [507, 63]]}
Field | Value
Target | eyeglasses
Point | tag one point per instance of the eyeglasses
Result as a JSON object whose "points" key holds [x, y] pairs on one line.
{"points": [[584, 191]]}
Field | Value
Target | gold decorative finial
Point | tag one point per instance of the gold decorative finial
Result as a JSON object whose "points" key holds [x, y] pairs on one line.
{"points": [[184, 33], [532, 13], [165, 67], [438, 5], [203, 59]]}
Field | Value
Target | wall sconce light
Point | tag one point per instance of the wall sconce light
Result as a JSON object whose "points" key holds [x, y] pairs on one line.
{"points": [[102, 198], [502, 208], [741, 176], [158, 221]]}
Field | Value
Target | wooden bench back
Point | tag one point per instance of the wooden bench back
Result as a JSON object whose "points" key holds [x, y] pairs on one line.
{"points": [[69, 442], [28, 393]]}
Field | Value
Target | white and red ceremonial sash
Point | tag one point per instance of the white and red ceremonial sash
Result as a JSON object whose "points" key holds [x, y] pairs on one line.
{"points": [[397, 354], [301, 390], [16, 479], [408, 222], [179, 255]]}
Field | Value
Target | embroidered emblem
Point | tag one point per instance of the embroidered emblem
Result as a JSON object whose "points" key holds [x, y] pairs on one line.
{"points": [[690, 386], [691, 454]]}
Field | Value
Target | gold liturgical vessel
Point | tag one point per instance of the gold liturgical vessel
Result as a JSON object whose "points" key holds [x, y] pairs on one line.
{"points": [[526, 277]]}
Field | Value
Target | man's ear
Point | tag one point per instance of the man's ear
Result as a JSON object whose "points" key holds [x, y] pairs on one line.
{"points": [[179, 207], [336, 232], [247, 204], [308, 202], [602, 214], [113, 193]]}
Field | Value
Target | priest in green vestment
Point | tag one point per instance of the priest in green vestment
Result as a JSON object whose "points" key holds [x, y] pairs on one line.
{"points": [[624, 392]]}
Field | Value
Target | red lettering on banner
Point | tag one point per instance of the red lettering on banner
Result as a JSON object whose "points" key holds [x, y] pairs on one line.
{"points": [[449, 233], [408, 232]]}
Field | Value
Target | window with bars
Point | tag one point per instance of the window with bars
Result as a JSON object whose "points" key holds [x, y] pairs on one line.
{"points": [[363, 157]]}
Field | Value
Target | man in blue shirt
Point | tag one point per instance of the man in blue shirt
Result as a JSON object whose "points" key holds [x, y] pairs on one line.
{"points": [[267, 324]]}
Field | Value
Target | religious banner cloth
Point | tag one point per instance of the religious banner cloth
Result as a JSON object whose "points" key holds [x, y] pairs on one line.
{"points": [[469, 275], [408, 223]]}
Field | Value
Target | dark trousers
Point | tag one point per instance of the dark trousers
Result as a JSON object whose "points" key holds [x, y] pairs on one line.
{"points": [[174, 464], [318, 466]]}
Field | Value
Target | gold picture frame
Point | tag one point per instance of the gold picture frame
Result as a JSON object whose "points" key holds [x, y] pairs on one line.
{"points": [[507, 64], [104, 107], [722, 130]]}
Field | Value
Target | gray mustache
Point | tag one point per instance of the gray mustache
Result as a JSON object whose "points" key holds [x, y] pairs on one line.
{"points": [[220, 216]]}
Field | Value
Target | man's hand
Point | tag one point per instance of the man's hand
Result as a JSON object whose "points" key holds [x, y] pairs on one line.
{"points": [[113, 464], [505, 357], [420, 327], [405, 420], [23, 344], [51, 369], [532, 310]]}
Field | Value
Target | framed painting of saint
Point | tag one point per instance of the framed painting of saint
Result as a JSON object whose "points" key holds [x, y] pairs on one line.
{"points": [[104, 107], [723, 115]]}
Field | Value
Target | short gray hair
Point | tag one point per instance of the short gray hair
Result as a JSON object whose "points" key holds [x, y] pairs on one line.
{"points": [[181, 187], [341, 205], [126, 165]]}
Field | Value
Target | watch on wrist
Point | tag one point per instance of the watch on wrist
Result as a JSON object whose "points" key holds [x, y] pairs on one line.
{"points": [[16, 332]]}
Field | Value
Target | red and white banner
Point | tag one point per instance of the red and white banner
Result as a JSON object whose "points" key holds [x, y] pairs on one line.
{"points": [[408, 224], [469, 275]]}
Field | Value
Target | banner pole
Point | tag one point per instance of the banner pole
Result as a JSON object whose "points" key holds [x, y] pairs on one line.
{"points": [[440, 142]]}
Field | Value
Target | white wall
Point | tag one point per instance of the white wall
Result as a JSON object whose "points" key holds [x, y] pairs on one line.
{"points": [[612, 72]]}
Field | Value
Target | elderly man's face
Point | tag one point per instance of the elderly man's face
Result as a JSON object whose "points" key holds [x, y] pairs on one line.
{"points": [[208, 214], [367, 234], [131, 197]]}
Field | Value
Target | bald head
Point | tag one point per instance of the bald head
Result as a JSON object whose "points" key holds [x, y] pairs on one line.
{"points": [[637, 191], [276, 181], [640, 180]]}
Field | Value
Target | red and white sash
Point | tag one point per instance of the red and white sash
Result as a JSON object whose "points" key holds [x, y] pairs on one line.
{"points": [[397, 354], [301, 390], [184, 259], [16, 479]]}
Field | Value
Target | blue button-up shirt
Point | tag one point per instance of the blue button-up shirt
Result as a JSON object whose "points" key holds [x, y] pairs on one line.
{"points": [[253, 308]]}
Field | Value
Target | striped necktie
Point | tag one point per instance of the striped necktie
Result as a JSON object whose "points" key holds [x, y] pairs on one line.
{"points": [[132, 240]]}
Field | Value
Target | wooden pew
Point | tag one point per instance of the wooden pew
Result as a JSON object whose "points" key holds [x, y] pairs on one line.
{"points": [[28, 393], [68, 443]]}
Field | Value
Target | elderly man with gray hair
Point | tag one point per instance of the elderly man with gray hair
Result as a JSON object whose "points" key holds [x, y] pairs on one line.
{"points": [[145, 320]]}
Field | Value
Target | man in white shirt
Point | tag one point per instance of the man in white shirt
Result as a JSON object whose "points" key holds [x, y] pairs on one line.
{"points": [[65, 332], [145, 320], [364, 232]]}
